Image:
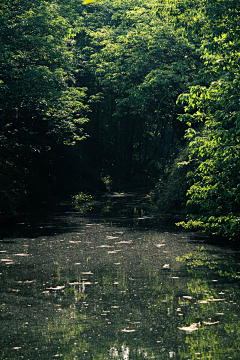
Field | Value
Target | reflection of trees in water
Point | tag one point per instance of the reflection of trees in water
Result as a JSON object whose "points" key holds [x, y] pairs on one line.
{"points": [[128, 312], [105, 320], [214, 289], [100, 313]]}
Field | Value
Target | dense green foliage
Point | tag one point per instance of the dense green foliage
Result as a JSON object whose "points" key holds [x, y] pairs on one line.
{"points": [[61, 62], [40, 108], [212, 114], [142, 73], [135, 66]]}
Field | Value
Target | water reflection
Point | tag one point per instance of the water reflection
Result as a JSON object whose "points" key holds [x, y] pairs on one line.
{"points": [[109, 288]]}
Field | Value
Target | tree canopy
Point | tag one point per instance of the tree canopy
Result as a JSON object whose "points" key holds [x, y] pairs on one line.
{"points": [[131, 78]]}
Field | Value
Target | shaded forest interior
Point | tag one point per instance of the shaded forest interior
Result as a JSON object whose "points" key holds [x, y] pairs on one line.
{"points": [[114, 95]]}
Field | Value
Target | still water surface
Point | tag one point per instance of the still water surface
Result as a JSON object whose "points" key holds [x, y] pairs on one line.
{"points": [[116, 284]]}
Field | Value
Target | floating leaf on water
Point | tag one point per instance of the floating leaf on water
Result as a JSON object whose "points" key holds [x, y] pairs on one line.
{"points": [[6, 260], [124, 242], [57, 288], [21, 254], [166, 266], [210, 323], [128, 330], [190, 328]]}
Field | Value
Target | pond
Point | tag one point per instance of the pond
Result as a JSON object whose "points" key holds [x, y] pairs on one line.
{"points": [[116, 283]]}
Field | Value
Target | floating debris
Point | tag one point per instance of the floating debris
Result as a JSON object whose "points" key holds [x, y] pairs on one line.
{"points": [[57, 288], [21, 254], [190, 328], [210, 323], [6, 260], [75, 283], [166, 266], [124, 242]]}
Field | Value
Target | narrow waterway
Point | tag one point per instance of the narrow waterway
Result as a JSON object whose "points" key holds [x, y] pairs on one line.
{"points": [[116, 283]]}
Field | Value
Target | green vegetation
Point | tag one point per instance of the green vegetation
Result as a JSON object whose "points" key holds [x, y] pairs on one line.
{"points": [[212, 115], [130, 78]]}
